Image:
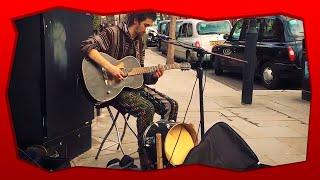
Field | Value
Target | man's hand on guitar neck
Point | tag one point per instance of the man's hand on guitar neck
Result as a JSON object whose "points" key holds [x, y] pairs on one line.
{"points": [[159, 71]]}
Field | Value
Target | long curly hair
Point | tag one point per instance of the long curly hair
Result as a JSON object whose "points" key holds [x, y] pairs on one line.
{"points": [[140, 17]]}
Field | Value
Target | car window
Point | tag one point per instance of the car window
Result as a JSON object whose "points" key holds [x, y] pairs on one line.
{"points": [[163, 28], [178, 25], [217, 27], [183, 30], [272, 31], [237, 31], [245, 27], [296, 27], [167, 29], [189, 30]]}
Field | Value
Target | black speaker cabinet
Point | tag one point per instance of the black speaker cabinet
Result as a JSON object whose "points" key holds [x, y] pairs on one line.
{"points": [[47, 101]]}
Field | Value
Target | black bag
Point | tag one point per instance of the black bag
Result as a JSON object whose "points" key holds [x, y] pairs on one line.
{"points": [[223, 147], [126, 162], [44, 158]]}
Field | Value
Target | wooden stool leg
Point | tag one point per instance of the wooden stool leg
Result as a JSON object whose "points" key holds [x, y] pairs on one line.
{"points": [[159, 151]]}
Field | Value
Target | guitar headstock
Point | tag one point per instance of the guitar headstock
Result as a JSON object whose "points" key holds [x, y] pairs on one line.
{"points": [[185, 66]]}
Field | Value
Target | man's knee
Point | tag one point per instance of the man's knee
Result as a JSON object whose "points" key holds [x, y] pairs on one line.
{"points": [[147, 109]]}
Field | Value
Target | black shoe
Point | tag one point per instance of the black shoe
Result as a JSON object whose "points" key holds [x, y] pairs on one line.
{"points": [[145, 162], [113, 163]]}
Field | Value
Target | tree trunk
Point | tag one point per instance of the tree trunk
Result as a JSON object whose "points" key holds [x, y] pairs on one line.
{"points": [[172, 35]]}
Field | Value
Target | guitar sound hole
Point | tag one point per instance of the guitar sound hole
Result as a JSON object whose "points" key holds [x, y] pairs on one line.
{"points": [[111, 81]]}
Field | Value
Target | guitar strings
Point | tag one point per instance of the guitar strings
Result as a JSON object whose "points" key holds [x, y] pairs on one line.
{"points": [[141, 70]]}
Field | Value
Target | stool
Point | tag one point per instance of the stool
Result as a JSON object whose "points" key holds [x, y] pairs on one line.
{"points": [[114, 119]]}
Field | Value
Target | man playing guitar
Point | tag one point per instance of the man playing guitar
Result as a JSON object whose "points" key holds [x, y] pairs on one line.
{"points": [[124, 40]]}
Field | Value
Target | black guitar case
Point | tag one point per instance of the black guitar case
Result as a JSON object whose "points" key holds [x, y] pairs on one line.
{"points": [[222, 147]]}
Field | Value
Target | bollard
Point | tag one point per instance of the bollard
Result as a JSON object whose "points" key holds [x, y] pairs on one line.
{"points": [[249, 67]]}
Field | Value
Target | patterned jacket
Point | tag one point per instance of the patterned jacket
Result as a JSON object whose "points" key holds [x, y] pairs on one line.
{"points": [[116, 41]]}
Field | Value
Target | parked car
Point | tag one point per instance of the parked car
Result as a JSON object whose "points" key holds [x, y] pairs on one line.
{"points": [[152, 39], [205, 34], [163, 29], [279, 49]]}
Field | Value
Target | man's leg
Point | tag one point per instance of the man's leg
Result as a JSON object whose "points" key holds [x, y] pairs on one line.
{"points": [[164, 105], [134, 104]]}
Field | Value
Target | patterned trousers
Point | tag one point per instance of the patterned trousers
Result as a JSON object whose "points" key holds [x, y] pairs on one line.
{"points": [[143, 103]]}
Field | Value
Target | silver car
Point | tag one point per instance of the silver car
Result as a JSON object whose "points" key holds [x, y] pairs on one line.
{"points": [[205, 34], [163, 29]]}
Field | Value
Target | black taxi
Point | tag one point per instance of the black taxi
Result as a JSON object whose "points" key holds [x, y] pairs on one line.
{"points": [[278, 50]]}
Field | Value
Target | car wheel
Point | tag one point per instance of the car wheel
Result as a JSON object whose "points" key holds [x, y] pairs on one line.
{"points": [[188, 58], [269, 76], [211, 62], [159, 45], [217, 67]]}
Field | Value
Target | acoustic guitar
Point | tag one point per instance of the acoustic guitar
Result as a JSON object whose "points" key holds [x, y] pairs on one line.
{"points": [[103, 87]]}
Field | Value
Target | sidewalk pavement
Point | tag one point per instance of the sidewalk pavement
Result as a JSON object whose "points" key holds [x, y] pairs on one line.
{"points": [[275, 126]]}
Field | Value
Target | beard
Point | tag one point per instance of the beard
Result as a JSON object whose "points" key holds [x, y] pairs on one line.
{"points": [[139, 31]]}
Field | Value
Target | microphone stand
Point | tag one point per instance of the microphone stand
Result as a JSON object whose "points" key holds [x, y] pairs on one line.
{"points": [[200, 54]]}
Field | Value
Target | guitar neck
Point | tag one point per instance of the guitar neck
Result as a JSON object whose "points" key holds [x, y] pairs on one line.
{"points": [[143, 70]]}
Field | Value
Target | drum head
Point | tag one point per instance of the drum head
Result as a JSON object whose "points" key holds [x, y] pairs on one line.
{"points": [[177, 148]]}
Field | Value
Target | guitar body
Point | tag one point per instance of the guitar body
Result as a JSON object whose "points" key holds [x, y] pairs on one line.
{"points": [[101, 86]]}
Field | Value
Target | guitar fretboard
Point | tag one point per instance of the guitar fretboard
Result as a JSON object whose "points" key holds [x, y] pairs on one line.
{"points": [[143, 70]]}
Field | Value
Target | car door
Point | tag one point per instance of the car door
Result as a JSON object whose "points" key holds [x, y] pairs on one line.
{"points": [[188, 40], [272, 46], [238, 46], [233, 48], [180, 51], [164, 31], [178, 25]]}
